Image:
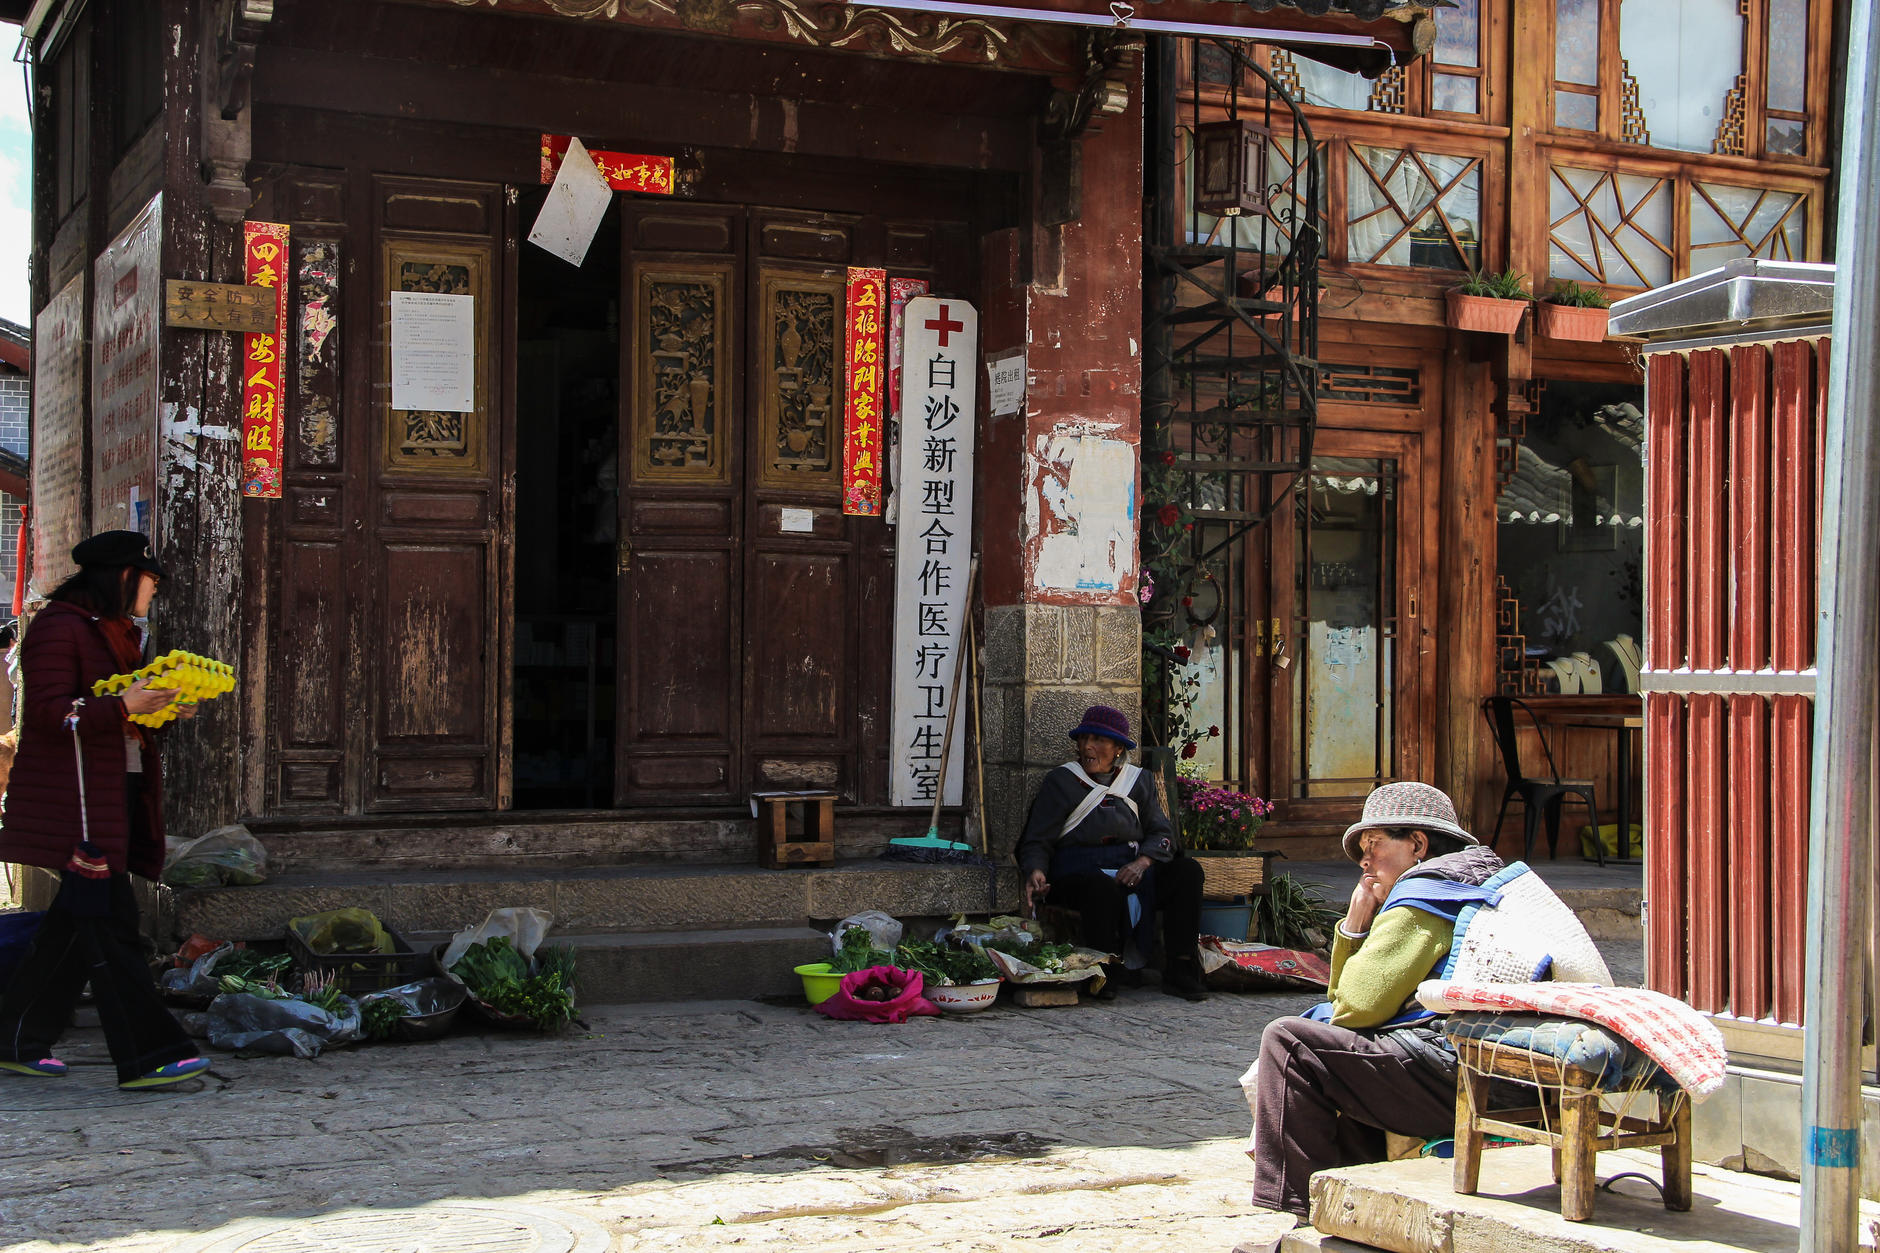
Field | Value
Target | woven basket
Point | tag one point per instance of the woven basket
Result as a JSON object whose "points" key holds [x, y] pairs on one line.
{"points": [[1232, 873]]}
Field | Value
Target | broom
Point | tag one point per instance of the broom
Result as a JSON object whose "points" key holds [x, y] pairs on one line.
{"points": [[933, 847]]}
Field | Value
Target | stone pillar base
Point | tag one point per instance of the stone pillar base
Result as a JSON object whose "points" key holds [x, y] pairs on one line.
{"points": [[1045, 665]]}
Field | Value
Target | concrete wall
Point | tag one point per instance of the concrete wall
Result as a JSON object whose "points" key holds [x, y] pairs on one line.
{"points": [[1754, 1123]]}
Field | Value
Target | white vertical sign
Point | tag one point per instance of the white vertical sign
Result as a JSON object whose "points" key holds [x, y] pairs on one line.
{"points": [[933, 545]]}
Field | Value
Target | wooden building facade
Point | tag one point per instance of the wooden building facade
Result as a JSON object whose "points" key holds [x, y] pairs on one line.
{"points": [[587, 616], [1471, 522]]}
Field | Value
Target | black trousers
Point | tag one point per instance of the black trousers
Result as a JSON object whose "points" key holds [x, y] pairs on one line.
{"points": [[1327, 1095], [1104, 909], [108, 953]]}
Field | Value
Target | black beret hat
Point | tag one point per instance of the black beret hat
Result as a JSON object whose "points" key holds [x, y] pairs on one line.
{"points": [[117, 548]]}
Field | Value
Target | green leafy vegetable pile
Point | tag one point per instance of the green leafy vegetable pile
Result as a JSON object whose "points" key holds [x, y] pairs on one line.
{"points": [[381, 1015], [245, 963], [267, 991], [1046, 957], [944, 963], [858, 952], [500, 977]]}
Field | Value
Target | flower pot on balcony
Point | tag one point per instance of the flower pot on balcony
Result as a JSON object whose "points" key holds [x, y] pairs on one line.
{"points": [[1571, 321], [1485, 313]]}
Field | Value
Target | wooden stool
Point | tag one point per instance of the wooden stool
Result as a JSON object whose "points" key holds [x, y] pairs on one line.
{"points": [[795, 828], [1567, 1119]]}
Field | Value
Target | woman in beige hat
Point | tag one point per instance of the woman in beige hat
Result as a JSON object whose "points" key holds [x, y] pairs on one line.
{"points": [[1370, 1060]]}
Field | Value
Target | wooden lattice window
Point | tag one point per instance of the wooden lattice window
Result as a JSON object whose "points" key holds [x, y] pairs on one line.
{"points": [[1371, 385], [1447, 81], [1729, 221], [1405, 206], [1719, 77], [1608, 227]]}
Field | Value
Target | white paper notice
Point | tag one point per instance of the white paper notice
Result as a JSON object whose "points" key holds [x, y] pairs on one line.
{"points": [[797, 521], [576, 203], [434, 359], [1006, 376]]}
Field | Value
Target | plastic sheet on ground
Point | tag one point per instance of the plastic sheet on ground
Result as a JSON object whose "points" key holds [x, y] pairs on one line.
{"points": [[242, 1022], [1080, 964]]}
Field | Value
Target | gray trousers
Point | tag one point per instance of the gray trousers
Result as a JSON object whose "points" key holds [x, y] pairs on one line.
{"points": [[1328, 1094]]}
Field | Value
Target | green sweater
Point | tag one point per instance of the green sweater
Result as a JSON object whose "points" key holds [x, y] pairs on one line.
{"points": [[1375, 977]]}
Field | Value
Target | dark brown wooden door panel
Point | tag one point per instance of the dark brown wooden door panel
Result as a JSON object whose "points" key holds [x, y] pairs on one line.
{"points": [[682, 622], [801, 638], [433, 656], [309, 670]]}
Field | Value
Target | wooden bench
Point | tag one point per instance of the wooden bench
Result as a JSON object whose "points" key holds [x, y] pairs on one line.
{"points": [[1568, 1118], [795, 828]]}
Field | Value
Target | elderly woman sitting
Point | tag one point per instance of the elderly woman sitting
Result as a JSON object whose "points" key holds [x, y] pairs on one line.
{"points": [[1096, 841], [1370, 1061]]}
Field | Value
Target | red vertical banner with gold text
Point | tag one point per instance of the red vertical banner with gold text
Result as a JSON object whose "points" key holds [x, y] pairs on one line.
{"points": [[264, 256], [865, 377]]}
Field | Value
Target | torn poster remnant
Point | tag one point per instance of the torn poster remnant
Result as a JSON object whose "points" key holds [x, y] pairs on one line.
{"points": [[1082, 517]]}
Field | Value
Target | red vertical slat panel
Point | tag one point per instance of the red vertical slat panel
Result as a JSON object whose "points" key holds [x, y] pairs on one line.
{"points": [[1706, 612], [1797, 409], [1746, 923], [1664, 650]]}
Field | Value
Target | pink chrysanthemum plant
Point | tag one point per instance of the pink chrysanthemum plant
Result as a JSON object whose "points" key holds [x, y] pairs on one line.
{"points": [[1219, 819]]}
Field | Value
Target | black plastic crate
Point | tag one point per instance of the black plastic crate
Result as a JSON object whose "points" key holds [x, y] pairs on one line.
{"points": [[362, 972]]}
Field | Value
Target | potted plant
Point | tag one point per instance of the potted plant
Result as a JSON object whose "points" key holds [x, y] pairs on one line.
{"points": [[1489, 302], [1219, 826], [1573, 312]]}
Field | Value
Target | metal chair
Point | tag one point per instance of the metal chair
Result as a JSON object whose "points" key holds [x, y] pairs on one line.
{"points": [[1537, 795]]}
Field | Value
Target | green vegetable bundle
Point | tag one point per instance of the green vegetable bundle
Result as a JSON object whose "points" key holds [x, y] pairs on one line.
{"points": [[245, 963], [1046, 957], [945, 964], [503, 979], [380, 1016], [858, 952]]}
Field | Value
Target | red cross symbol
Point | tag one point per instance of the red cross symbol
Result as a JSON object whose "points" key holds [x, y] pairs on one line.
{"points": [[944, 324]]}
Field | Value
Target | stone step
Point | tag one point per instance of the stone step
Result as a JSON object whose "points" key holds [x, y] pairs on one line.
{"points": [[693, 965], [600, 900], [1410, 1207]]}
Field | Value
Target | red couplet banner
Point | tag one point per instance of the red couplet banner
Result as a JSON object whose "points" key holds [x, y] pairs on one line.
{"points": [[624, 171], [867, 369], [264, 255]]}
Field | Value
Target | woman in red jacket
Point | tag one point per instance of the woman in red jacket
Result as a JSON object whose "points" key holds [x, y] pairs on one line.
{"points": [[84, 771]]}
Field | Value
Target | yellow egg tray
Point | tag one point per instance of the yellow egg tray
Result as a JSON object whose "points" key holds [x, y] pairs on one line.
{"points": [[198, 678]]}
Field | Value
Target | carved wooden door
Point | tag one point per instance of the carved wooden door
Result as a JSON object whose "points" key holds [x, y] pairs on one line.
{"points": [[748, 601]]}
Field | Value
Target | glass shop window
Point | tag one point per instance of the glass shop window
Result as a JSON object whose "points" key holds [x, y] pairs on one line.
{"points": [[1571, 527]]}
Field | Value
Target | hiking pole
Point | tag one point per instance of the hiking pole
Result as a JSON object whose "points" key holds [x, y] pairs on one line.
{"points": [[979, 743]]}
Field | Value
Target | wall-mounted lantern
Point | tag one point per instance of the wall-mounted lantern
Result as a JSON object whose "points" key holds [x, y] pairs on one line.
{"points": [[1230, 176]]}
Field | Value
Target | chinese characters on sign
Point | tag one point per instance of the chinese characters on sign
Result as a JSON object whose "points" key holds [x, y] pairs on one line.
{"points": [[58, 480], [933, 545], [624, 171], [264, 264], [865, 378], [126, 316]]}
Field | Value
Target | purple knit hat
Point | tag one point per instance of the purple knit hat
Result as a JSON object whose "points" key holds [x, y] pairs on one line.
{"points": [[1103, 720]]}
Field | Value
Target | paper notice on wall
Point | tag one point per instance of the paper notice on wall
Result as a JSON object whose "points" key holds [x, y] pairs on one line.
{"points": [[1006, 378], [434, 352], [576, 203]]}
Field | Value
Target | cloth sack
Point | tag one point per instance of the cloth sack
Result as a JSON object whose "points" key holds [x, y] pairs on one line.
{"points": [[1527, 935], [1246, 966], [1682, 1041], [904, 1000]]}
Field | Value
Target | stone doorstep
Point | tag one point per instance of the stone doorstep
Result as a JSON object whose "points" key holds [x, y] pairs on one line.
{"points": [[693, 965], [1410, 1207], [598, 900]]}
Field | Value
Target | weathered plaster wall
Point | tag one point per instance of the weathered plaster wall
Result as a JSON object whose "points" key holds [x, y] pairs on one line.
{"points": [[1059, 481]]}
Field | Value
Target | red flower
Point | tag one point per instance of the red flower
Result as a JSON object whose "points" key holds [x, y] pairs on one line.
{"points": [[1168, 515], [1213, 732], [1187, 602], [1181, 652], [1188, 749], [1188, 526], [1168, 458]]}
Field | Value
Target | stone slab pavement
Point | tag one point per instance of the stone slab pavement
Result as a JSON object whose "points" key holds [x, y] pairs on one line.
{"points": [[675, 1126]]}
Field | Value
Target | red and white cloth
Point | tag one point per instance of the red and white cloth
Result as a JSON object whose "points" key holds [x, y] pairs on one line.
{"points": [[1682, 1041]]}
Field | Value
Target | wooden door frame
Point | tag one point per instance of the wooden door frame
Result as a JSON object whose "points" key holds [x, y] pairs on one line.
{"points": [[1412, 437]]}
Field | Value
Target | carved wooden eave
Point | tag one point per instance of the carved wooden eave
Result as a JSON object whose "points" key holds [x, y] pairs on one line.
{"points": [[231, 30]]}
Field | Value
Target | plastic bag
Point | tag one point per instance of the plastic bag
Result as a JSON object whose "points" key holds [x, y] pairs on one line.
{"points": [[227, 855], [883, 929], [526, 927], [16, 940], [197, 981], [342, 931], [1024, 931], [290, 1027], [899, 993]]}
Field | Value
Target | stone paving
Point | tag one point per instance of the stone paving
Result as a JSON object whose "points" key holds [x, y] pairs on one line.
{"points": [[676, 1126]]}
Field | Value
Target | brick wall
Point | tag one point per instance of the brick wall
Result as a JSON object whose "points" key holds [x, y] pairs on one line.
{"points": [[15, 407]]}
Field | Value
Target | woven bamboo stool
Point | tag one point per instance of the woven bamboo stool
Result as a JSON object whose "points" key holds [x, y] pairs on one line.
{"points": [[1568, 1118]]}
